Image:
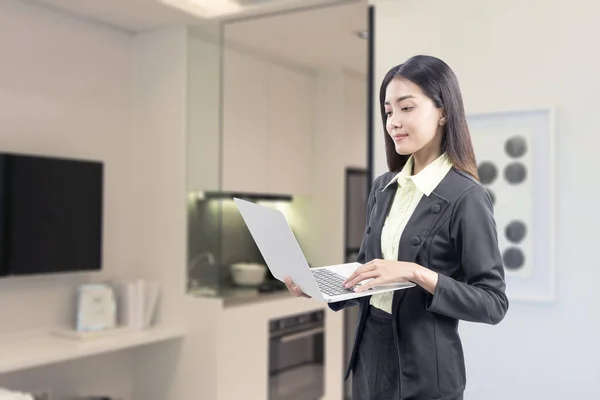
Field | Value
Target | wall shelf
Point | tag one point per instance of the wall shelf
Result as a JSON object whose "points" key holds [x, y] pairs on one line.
{"points": [[36, 349]]}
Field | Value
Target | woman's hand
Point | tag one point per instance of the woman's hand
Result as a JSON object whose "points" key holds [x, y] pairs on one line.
{"points": [[295, 290], [382, 272], [387, 271]]}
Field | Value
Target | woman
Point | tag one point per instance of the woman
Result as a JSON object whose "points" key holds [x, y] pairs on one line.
{"points": [[430, 222]]}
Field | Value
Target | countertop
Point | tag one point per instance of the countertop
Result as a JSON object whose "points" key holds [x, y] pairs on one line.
{"points": [[239, 296], [233, 296]]}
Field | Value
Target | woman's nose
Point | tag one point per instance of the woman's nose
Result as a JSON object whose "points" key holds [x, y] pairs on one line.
{"points": [[395, 123]]}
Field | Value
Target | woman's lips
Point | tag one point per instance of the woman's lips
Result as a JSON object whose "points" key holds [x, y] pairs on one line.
{"points": [[400, 137]]}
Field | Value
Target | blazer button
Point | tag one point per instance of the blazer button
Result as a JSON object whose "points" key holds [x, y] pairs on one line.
{"points": [[436, 208], [415, 240], [368, 228]]}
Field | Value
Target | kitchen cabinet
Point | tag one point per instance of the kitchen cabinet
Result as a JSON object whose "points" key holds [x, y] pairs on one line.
{"points": [[267, 126], [243, 348], [203, 106], [245, 127], [290, 130]]}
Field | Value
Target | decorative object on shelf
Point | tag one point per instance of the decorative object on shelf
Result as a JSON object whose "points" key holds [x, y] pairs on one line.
{"points": [[112, 309], [137, 303], [96, 308], [515, 155]]}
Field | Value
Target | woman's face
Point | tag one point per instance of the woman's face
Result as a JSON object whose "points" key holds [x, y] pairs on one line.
{"points": [[413, 121]]}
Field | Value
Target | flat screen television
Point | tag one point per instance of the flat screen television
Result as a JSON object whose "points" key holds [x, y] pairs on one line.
{"points": [[51, 214]]}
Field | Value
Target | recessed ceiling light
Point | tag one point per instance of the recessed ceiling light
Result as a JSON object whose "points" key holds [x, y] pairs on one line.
{"points": [[206, 8]]}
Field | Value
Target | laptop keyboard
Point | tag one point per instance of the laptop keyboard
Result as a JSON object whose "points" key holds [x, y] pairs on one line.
{"points": [[330, 283]]}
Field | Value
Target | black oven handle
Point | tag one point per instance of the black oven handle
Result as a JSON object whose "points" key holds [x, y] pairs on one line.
{"points": [[299, 335]]}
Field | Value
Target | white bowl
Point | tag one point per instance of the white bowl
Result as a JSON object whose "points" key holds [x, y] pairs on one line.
{"points": [[248, 274]]}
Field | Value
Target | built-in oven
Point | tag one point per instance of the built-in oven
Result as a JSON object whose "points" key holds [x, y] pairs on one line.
{"points": [[297, 357]]}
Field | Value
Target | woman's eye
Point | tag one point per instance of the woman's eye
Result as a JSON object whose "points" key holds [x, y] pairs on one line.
{"points": [[406, 109], [388, 113]]}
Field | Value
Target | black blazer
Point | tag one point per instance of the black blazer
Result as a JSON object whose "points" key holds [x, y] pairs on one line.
{"points": [[452, 232]]}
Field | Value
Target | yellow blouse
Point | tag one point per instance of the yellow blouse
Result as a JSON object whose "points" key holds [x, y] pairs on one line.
{"points": [[410, 190]]}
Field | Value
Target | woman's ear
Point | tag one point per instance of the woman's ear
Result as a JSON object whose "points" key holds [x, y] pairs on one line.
{"points": [[442, 121]]}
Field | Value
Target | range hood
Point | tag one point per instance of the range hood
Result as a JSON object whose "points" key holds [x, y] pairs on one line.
{"points": [[250, 196]]}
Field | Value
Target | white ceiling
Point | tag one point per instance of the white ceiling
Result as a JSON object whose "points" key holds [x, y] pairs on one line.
{"points": [[314, 38], [130, 15]]}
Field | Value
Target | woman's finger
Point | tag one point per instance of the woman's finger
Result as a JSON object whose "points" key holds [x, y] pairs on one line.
{"points": [[354, 274], [362, 277], [370, 266], [293, 289], [299, 292], [369, 285]]}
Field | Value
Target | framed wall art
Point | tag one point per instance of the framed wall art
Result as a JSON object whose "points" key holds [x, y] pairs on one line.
{"points": [[516, 164]]}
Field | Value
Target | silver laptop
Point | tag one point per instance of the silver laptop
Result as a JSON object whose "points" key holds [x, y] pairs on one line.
{"points": [[281, 251]]}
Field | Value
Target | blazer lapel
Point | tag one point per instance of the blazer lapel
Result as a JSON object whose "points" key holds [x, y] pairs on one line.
{"points": [[383, 203]]}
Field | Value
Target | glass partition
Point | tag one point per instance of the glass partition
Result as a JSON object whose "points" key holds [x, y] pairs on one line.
{"points": [[203, 158], [255, 131]]}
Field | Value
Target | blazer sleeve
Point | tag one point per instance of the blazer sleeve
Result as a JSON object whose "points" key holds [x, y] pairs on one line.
{"points": [[360, 258], [481, 298]]}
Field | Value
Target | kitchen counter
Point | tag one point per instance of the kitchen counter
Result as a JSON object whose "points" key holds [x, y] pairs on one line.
{"points": [[239, 296], [233, 296], [243, 346], [233, 337]]}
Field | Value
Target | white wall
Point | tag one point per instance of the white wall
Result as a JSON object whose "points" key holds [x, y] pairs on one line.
{"points": [[510, 55], [339, 141], [177, 371], [65, 90]]}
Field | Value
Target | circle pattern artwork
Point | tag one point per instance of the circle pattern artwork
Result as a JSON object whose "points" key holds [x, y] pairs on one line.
{"points": [[487, 172], [515, 231], [515, 173], [516, 147], [513, 258], [504, 171]]}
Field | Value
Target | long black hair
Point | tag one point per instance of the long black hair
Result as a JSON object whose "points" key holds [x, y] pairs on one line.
{"points": [[439, 83]]}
